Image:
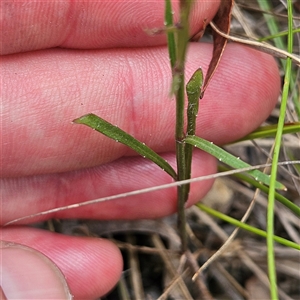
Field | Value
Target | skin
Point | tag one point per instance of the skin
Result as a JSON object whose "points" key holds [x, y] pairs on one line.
{"points": [[65, 59]]}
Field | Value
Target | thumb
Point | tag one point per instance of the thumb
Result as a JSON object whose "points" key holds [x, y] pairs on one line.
{"points": [[28, 274]]}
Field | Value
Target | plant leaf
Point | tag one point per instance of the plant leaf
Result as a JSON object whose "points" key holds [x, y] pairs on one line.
{"points": [[121, 136], [280, 198], [245, 226], [193, 91], [229, 159], [222, 20], [270, 131]]}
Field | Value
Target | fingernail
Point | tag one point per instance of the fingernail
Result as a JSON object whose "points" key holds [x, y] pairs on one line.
{"points": [[26, 273]]}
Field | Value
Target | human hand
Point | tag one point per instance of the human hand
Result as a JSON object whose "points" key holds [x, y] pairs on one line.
{"points": [[105, 65]]}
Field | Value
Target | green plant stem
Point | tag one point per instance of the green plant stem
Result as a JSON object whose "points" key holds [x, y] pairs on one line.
{"points": [[179, 90], [170, 34], [271, 198]]}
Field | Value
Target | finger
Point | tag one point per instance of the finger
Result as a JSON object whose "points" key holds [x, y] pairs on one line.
{"points": [[90, 24], [23, 269], [91, 266], [28, 195], [127, 88]]}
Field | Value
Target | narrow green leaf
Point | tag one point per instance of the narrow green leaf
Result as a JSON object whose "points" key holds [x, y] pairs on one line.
{"points": [[247, 227], [121, 136], [229, 159], [275, 157], [193, 91], [270, 131], [280, 198], [279, 34]]}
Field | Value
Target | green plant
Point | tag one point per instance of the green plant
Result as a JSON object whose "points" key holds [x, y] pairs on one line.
{"points": [[185, 139], [178, 37]]}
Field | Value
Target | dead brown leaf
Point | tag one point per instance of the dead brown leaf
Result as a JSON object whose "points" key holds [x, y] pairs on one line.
{"points": [[222, 20]]}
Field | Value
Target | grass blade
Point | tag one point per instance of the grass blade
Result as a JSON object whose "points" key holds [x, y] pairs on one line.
{"points": [[280, 198], [121, 136], [229, 159], [270, 131], [277, 146], [247, 227]]}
